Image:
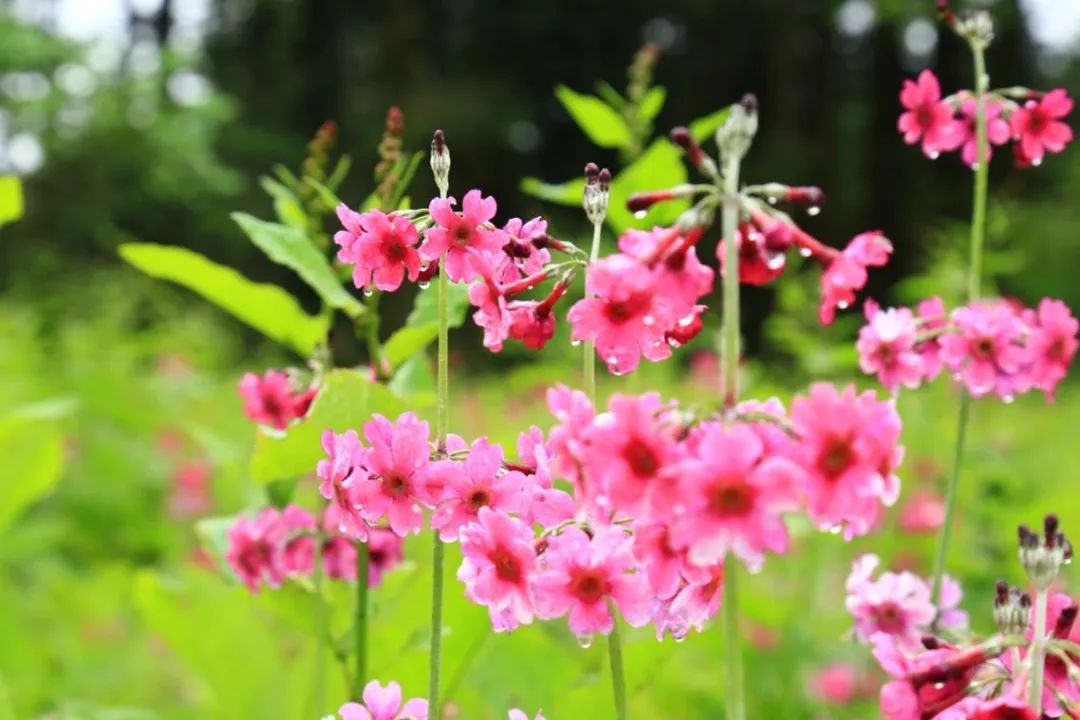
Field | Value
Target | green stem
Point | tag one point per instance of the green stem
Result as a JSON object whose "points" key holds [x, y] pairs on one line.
{"points": [[1037, 652], [729, 354], [321, 629], [618, 677], [360, 650], [734, 704], [442, 421], [974, 285], [371, 332], [589, 366]]}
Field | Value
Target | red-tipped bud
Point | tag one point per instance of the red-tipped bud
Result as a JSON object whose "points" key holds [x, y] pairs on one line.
{"points": [[525, 283], [681, 136], [945, 12], [640, 202], [592, 172], [808, 196], [604, 179]]}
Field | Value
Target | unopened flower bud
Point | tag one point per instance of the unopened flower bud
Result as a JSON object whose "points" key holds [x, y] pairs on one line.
{"points": [[1043, 556], [597, 193], [440, 162], [945, 12], [976, 26], [735, 136], [1012, 609]]}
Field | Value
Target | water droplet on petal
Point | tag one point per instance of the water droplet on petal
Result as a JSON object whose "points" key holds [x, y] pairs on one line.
{"points": [[585, 641], [368, 292], [842, 305], [771, 199], [678, 635], [775, 262], [1036, 162], [648, 321], [813, 210], [640, 214], [424, 267], [424, 285], [933, 155], [575, 343], [1007, 399], [674, 343], [805, 252]]}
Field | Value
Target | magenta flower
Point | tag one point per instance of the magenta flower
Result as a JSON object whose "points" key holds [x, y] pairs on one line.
{"points": [[620, 314], [457, 233], [849, 446], [574, 413], [897, 604], [734, 495], [520, 257], [926, 684], [932, 319], [663, 564], [476, 483], [846, 272], [985, 352], [298, 550], [498, 566], [835, 684], [698, 600], [580, 576], [762, 255], [385, 551], [1037, 125], [255, 550], [1051, 344], [886, 348], [341, 474], [397, 463], [530, 322], [380, 247], [680, 277], [339, 558], [491, 314], [271, 400], [384, 703], [998, 131], [927, 117]]}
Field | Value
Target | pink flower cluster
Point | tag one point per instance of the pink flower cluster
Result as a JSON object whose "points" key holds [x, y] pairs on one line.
{"points": [[948, 124], [989, 346], [272, 399], [276, 544], [899, 604], [384, 703]]}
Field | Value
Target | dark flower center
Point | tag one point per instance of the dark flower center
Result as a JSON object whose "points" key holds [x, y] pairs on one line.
{"points": [[395, 486], [588, 586], [619, 312], [731, 499], [394, 249], [889, 617], [461, 235], [983, 348], [640, 457], [836, 457], [506, 565], [478, 498], [924, 114]]}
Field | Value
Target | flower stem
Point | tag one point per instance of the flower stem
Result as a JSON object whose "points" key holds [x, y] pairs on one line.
{"points": [[589, 366], [974, 284], [729, 354], [362, 561], [733, 673], [618, 680], [1037, 652], [442, 421], [321, 628]]}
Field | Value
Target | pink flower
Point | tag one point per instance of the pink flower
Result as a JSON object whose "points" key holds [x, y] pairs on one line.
{"points": [[498, 566], [339, 558], [1009, 707], [255, 550], [456, 233], [574, 413], [580, 575], [680, 277], [734, 496], [887, 348], [270, 399], [190, 491], [835, 684], [923, 512], [380, 248], [985, 352], [927, 118], [846, 273], [476, 483], [530, 322], [998, 131], [849, 446], [1051, 344], [384, 553], [1038, 128], [491, 314], [699, 599], [520, 257], [897, 604], [516, 714], [298, 551], [932, 318], [663, 564], [397, 463], [620, 315], [762, 255], [341, 474], [384, 703]]}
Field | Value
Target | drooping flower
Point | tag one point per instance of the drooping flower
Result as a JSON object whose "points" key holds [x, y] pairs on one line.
{"points": [[762, 253], [457, 233], [998, 131], [397, 461], [846, 272], [663, 564], [1051, 344], [886, 348], [520, 257], [498, 566], [985, 353], [341, 473], [1038, 128], [530, 322], [380, 247], [271, 400], [384, 703], [927, 118], [255, 548], [580, 575], [574, 412], [475, 483]]}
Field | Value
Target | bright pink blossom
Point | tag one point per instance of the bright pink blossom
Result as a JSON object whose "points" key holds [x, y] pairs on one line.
{"points": [[1038, 128], [886, 348], [530, 322], [380, 247], [271, 400], [520, 257], [498, 566], [927, 117], [341, 474], [574, 413], [455, 234], [397, 463], [698, 600], [680, 277], [255, 549], [846, 272], [384, 703], [762, 254], [475, 483], [985, 353], [491, 311], [922, 512], [385, 551], [580, 575], [998, 131], [1051, 344], [835, 684]]}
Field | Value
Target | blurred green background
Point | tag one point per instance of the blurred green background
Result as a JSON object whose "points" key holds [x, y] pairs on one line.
{"points": [[151, 120]]}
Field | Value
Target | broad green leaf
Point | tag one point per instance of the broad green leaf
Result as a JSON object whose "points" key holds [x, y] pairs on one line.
{"points": [[567, 193], [414, 382], [703, 128], [11, 199], [409, 341], [7, 706], [329, 198], [292, 248], [346, 399], [286, 203], [267, 308], [31, 457], [652, 103], [426, 310], [610, 95], [287, 177], [603, 125], [660, 166]]}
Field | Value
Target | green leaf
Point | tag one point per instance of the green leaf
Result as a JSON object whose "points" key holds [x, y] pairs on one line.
{"points": [[292, 248], [346, 399], [610, 95], [213, 535], [31, 457], [337, 175], [426, 310], [408, 171], [328, 196], [408, 341], [603, 125], [703, 128], [652, 103], [7, 706], [11, 199], [287, 177], [567, 193], [660, 166], [286, 204], [414, 382], [267, 308]]}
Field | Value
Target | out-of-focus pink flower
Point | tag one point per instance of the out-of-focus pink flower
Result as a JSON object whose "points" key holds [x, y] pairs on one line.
{"points": [[574, 413], [580, 575], [516, 714], [846, 272], [986, 352], [498, 567], [380, 247], [255, 549], [397, 463], [298, 551], [925, 684], [384, 703], [341, 474], [1037, 125], [886, 348], [923, 512], [385, 551], [491, 311], [190, 492], [271, 400], [897, 604], [457, 233], [1051, 344], [835, 684], [998, 131], [927, 118], [932, 319]]}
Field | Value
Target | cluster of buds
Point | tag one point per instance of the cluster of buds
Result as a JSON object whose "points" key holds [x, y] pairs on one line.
{"points": [[1043, 556], [388, 170], [1012, 609], [597, 193]]}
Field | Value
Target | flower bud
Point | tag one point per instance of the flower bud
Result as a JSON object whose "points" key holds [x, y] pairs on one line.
{"points": [[440, 162], [736, 135], [597, 193], [1012, 609], [1043, 556]]}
